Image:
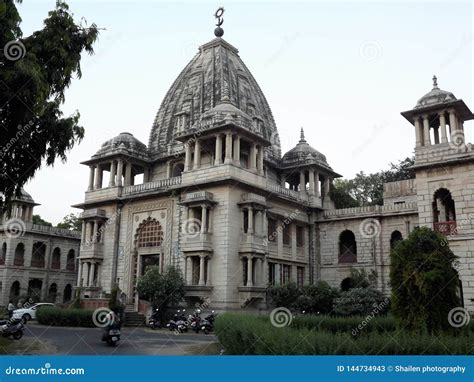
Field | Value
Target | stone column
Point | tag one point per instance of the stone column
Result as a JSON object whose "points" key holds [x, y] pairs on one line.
{"points": [[85, 273], [442, 125], [202, 262], [91, 274], [113, 170], [249, 271], [426, 131], [252, 159], [237, 149], [418, 135], [250, 220], [83, 233], [311, 182], [218, 159], [187, 157], [91, 178], [457, 135], [197, 154], [98, 177], [88, 233], [128, 174], [228, 147], [168, 169], [261, 156], [79, 275], [119, 172], [264, 224], [203, 218], [189, 270], [94, 232], [302, 182]]}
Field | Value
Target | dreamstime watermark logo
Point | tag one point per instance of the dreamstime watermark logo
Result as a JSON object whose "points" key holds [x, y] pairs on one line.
{"points": [[378, 308], [14, 228], [103, 317], [192, 227], [370, 228], [457, 141], [281, 317], [14, 50], [285, 222], [370, 50], [21, 131], [458, 317]]}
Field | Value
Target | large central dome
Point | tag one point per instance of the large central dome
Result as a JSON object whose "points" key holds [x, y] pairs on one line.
{"points": [[215, 75]]}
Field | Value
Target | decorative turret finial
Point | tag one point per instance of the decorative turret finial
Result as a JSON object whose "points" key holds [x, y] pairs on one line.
{"points": [[219, 32], [302, 139], [435, 82]]}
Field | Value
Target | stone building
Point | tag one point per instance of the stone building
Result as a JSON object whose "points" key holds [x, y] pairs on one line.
{"points": [[36, 260], [212, 194]]}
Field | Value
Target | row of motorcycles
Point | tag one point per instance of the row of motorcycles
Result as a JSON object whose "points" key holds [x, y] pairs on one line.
{"points": [[181, 323], [12, 328]]}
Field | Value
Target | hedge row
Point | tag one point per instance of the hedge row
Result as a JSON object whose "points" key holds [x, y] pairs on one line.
{"points": [[243, 334], [65, 317]]}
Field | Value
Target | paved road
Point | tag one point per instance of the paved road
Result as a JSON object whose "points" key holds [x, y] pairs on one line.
{"points": [[87, 341]]}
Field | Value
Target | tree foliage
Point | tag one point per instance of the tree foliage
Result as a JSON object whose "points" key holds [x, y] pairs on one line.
{"points": [[38, 220], [367, 189], [360, 302], [35, 72], [161, 289], [424, 281], [71, 222]]}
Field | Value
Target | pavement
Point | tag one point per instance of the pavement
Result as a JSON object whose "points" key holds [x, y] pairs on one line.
{"points": [[41, 339]]}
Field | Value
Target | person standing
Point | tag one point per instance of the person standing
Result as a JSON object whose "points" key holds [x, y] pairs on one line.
{"points": [[10, 309]]}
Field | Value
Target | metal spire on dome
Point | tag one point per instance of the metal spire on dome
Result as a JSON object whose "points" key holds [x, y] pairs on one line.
{"points": [[302, 139], [435, 82], [219, 32]]}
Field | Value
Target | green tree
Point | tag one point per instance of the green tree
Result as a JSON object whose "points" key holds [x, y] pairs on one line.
{"points": [[71, 222], [161, 289], [35, 72], [318, 298], [283, 295], [38, 220], [424, 281], [341, 191]]}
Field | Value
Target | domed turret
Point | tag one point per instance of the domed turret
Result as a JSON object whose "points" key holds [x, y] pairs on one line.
{"points": [[124, 143], [435, 97], [216, 81]]}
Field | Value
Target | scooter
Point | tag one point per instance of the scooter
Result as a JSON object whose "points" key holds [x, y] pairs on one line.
{"points": [[111, 334], [195, 321], [207, 325], [182, 322], [12, 327], [154, 321]]}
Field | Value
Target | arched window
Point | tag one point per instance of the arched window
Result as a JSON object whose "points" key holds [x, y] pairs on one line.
{"points": [[19, 258], [34, 289], [67, 295], [15, 291], [53, 292], [71, 260], [177, 169], [4, 254], [444, 212], [56, 259], [38, 255], [149, 234], [347, 247], [395, 238]]}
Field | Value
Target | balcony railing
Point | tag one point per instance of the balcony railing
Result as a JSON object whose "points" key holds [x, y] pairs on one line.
{"points": [[446, 228], [151, 186]]}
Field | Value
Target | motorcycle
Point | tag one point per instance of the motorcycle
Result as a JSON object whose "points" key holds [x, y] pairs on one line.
{"points": [[111, 334], [207, 325], [154, 322], [195, 321], [13, 327], [179, 323]]}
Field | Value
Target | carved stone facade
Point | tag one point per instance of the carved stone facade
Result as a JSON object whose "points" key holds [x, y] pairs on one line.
{"points": [[212, 195]]}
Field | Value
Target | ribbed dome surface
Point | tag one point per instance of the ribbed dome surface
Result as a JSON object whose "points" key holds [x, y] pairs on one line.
{"points": [[216, 80], [125, 143], [435, 96], [303, 153]]}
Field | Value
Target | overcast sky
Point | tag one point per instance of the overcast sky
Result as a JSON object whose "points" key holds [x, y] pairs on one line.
{"points": [[342, 70]]}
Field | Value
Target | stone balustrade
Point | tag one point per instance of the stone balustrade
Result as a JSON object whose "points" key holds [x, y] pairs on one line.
{"points": [[46, 229], [151, 186], [369, 210]]}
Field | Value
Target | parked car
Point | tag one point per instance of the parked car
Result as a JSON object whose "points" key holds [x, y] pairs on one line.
{"points": [[27, 314]]}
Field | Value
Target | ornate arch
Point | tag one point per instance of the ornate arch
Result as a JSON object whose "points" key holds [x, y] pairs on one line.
{"points": [[149, 234]]}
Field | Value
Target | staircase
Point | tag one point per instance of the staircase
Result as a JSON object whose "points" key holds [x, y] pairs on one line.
{"points": [[133, 318]]}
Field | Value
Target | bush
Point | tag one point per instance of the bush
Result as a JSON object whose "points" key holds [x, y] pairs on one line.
{"points": [[65, 317], [283, 295], [360, 301], [244, 334], [316, 298], [424, 282]]}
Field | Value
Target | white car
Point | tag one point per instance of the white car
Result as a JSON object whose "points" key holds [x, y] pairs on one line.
{"points": [[30, 313]]}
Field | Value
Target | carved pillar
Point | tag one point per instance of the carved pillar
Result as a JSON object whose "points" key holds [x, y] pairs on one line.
{"points": [[303, 182], [260, 159], [128, 174], [218, 159], [228, 147], [197, 154], [250, 220], [252, 159], [91, 178], [442, 125], [249, 271], [418, 132], [189, 270], [113, 170], [79, 275], [98, 177], [202, 264], [237, 149], [119, 172], [187, 157], [426, 131], [311, 182], [203, 218]]}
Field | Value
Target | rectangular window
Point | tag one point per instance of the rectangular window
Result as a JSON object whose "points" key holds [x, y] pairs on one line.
{"points": [[286, 234], [285, 273], [272, 230], [300, 276], [271, 273], [299, 236]]}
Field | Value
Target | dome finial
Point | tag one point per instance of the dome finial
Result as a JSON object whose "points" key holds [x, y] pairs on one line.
{"points": [[302, 139], [435, 82], [219, 32]]}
